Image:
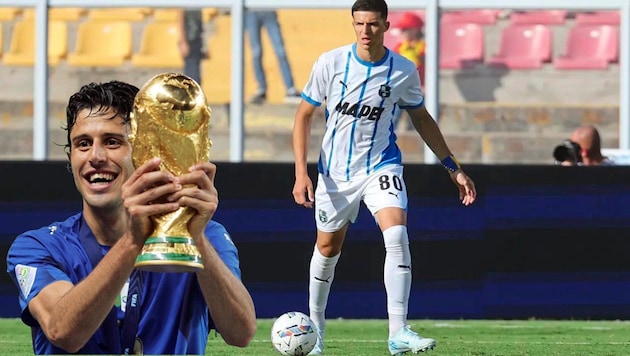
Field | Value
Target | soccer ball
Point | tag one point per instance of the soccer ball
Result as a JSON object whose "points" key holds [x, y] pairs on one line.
{"points": [[293, 334]]}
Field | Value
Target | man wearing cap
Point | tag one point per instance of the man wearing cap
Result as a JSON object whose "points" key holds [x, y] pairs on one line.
{"points": [[411, 45]]}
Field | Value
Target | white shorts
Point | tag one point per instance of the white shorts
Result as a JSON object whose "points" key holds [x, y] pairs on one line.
{"points": [[338, 202]]}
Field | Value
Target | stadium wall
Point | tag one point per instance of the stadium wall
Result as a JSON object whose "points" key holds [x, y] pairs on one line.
{"points": [[541, 241]]}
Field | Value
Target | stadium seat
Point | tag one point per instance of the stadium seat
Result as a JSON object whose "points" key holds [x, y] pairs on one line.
{"points": [[598, 18], [461, 45], [59, 13], [482, 17], [215, 71], [523, 47], [9, 13], [208, 14], [590, 47], [22, 48], [102, 43], [158, 46], [166, 14], [120, 14], [542, 17]]}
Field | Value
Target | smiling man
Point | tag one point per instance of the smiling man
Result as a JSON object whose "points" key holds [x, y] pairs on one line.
{"points": [[363, 87], [74, 276]]}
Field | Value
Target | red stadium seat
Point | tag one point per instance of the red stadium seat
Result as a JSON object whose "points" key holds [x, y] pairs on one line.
{"points": [[598, 18], [590, 47], [523, 47], [482, 17], [461, 45], [542, 17]]}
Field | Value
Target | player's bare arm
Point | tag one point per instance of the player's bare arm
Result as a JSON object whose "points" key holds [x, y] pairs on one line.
{"points": [[303, 188], [70, 314], [432, 136], [229, 302]]}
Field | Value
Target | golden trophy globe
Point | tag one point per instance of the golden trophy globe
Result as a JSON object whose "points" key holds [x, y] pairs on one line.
{"points": [[170, 120]]}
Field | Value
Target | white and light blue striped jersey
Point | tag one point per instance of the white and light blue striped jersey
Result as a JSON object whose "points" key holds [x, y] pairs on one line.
{"points": [[362, 99]]}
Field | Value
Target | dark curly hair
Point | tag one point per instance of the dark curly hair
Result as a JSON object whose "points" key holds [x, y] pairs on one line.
{"points": [[98, 98], [371, 5]]}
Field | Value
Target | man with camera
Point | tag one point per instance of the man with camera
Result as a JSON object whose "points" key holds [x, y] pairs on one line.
{"points": [[583, 149]]}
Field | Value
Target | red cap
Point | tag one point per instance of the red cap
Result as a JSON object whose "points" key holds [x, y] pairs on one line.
{"points": [[409, 20]]}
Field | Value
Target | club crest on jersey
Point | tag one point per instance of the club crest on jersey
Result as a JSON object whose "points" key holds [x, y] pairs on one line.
{"points": [[385, 91], [322, 216], [364, 111]]}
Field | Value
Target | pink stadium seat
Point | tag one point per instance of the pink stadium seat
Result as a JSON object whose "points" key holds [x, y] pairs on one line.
{"points": [[461, 45], [542, 17], [598, 18], [482, 17], [523, 47], [590, 47]]}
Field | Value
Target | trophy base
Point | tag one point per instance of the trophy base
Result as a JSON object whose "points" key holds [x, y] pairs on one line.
{"points": [[169, 254]]}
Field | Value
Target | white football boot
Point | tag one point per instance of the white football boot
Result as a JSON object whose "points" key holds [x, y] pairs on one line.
{"points": [[406, 340], [319, 346]]}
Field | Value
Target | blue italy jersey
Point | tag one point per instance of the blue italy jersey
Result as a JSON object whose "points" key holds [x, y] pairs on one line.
{"points": [[174, 318], [362, 103]]}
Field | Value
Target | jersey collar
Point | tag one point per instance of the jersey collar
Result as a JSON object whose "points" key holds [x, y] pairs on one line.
{"points": [[366, 63]]}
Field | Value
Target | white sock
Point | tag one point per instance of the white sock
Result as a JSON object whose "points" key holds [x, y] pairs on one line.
{"points": [[397, 276], [322, 273]]}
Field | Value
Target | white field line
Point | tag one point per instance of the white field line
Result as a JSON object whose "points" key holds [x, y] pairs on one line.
{"points": [[520, 326], [481, 342]]}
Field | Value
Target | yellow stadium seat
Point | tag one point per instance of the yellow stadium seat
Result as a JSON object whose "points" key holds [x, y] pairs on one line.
{"points": [[59, 13], [158, 47], [215, 71], [22, 48], [166, 15], [120, 14], [102, 43], [208, 14], [9, 13]]}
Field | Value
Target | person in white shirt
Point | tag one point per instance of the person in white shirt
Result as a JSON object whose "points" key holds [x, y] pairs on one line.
{"points": [[363, 86]]}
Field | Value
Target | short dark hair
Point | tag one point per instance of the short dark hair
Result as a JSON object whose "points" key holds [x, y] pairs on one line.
{"points": [[100, 97], [371, 5]]}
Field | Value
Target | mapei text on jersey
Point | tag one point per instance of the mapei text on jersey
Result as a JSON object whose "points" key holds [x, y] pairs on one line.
{"points": [[367, 111]]}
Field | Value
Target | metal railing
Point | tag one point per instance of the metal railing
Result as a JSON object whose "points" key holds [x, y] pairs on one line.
{"points": [[237, 7]]}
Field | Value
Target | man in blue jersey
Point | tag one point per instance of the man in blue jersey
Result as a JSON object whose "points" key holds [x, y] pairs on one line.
{"points": [[363, 85], [78, 289]]}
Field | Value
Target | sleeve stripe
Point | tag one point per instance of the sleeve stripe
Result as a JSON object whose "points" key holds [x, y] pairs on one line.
{"points": [[310, 100]]}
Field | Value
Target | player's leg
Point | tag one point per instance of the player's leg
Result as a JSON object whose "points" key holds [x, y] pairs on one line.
{"points": [[386, 197], [336, 205], [254, 26], [322, 273], [277, 41], [397, 267]]}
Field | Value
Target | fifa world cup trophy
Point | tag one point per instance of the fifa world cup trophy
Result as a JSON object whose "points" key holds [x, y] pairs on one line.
{"points": [[170, 120]]}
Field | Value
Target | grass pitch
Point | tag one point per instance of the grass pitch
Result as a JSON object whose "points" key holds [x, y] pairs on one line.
{"points": [[454, 338]]}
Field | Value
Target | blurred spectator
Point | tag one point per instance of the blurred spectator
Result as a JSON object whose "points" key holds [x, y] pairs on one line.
{"points": [[191, 42], [254, 22], [587, 137], [411, 45]]}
